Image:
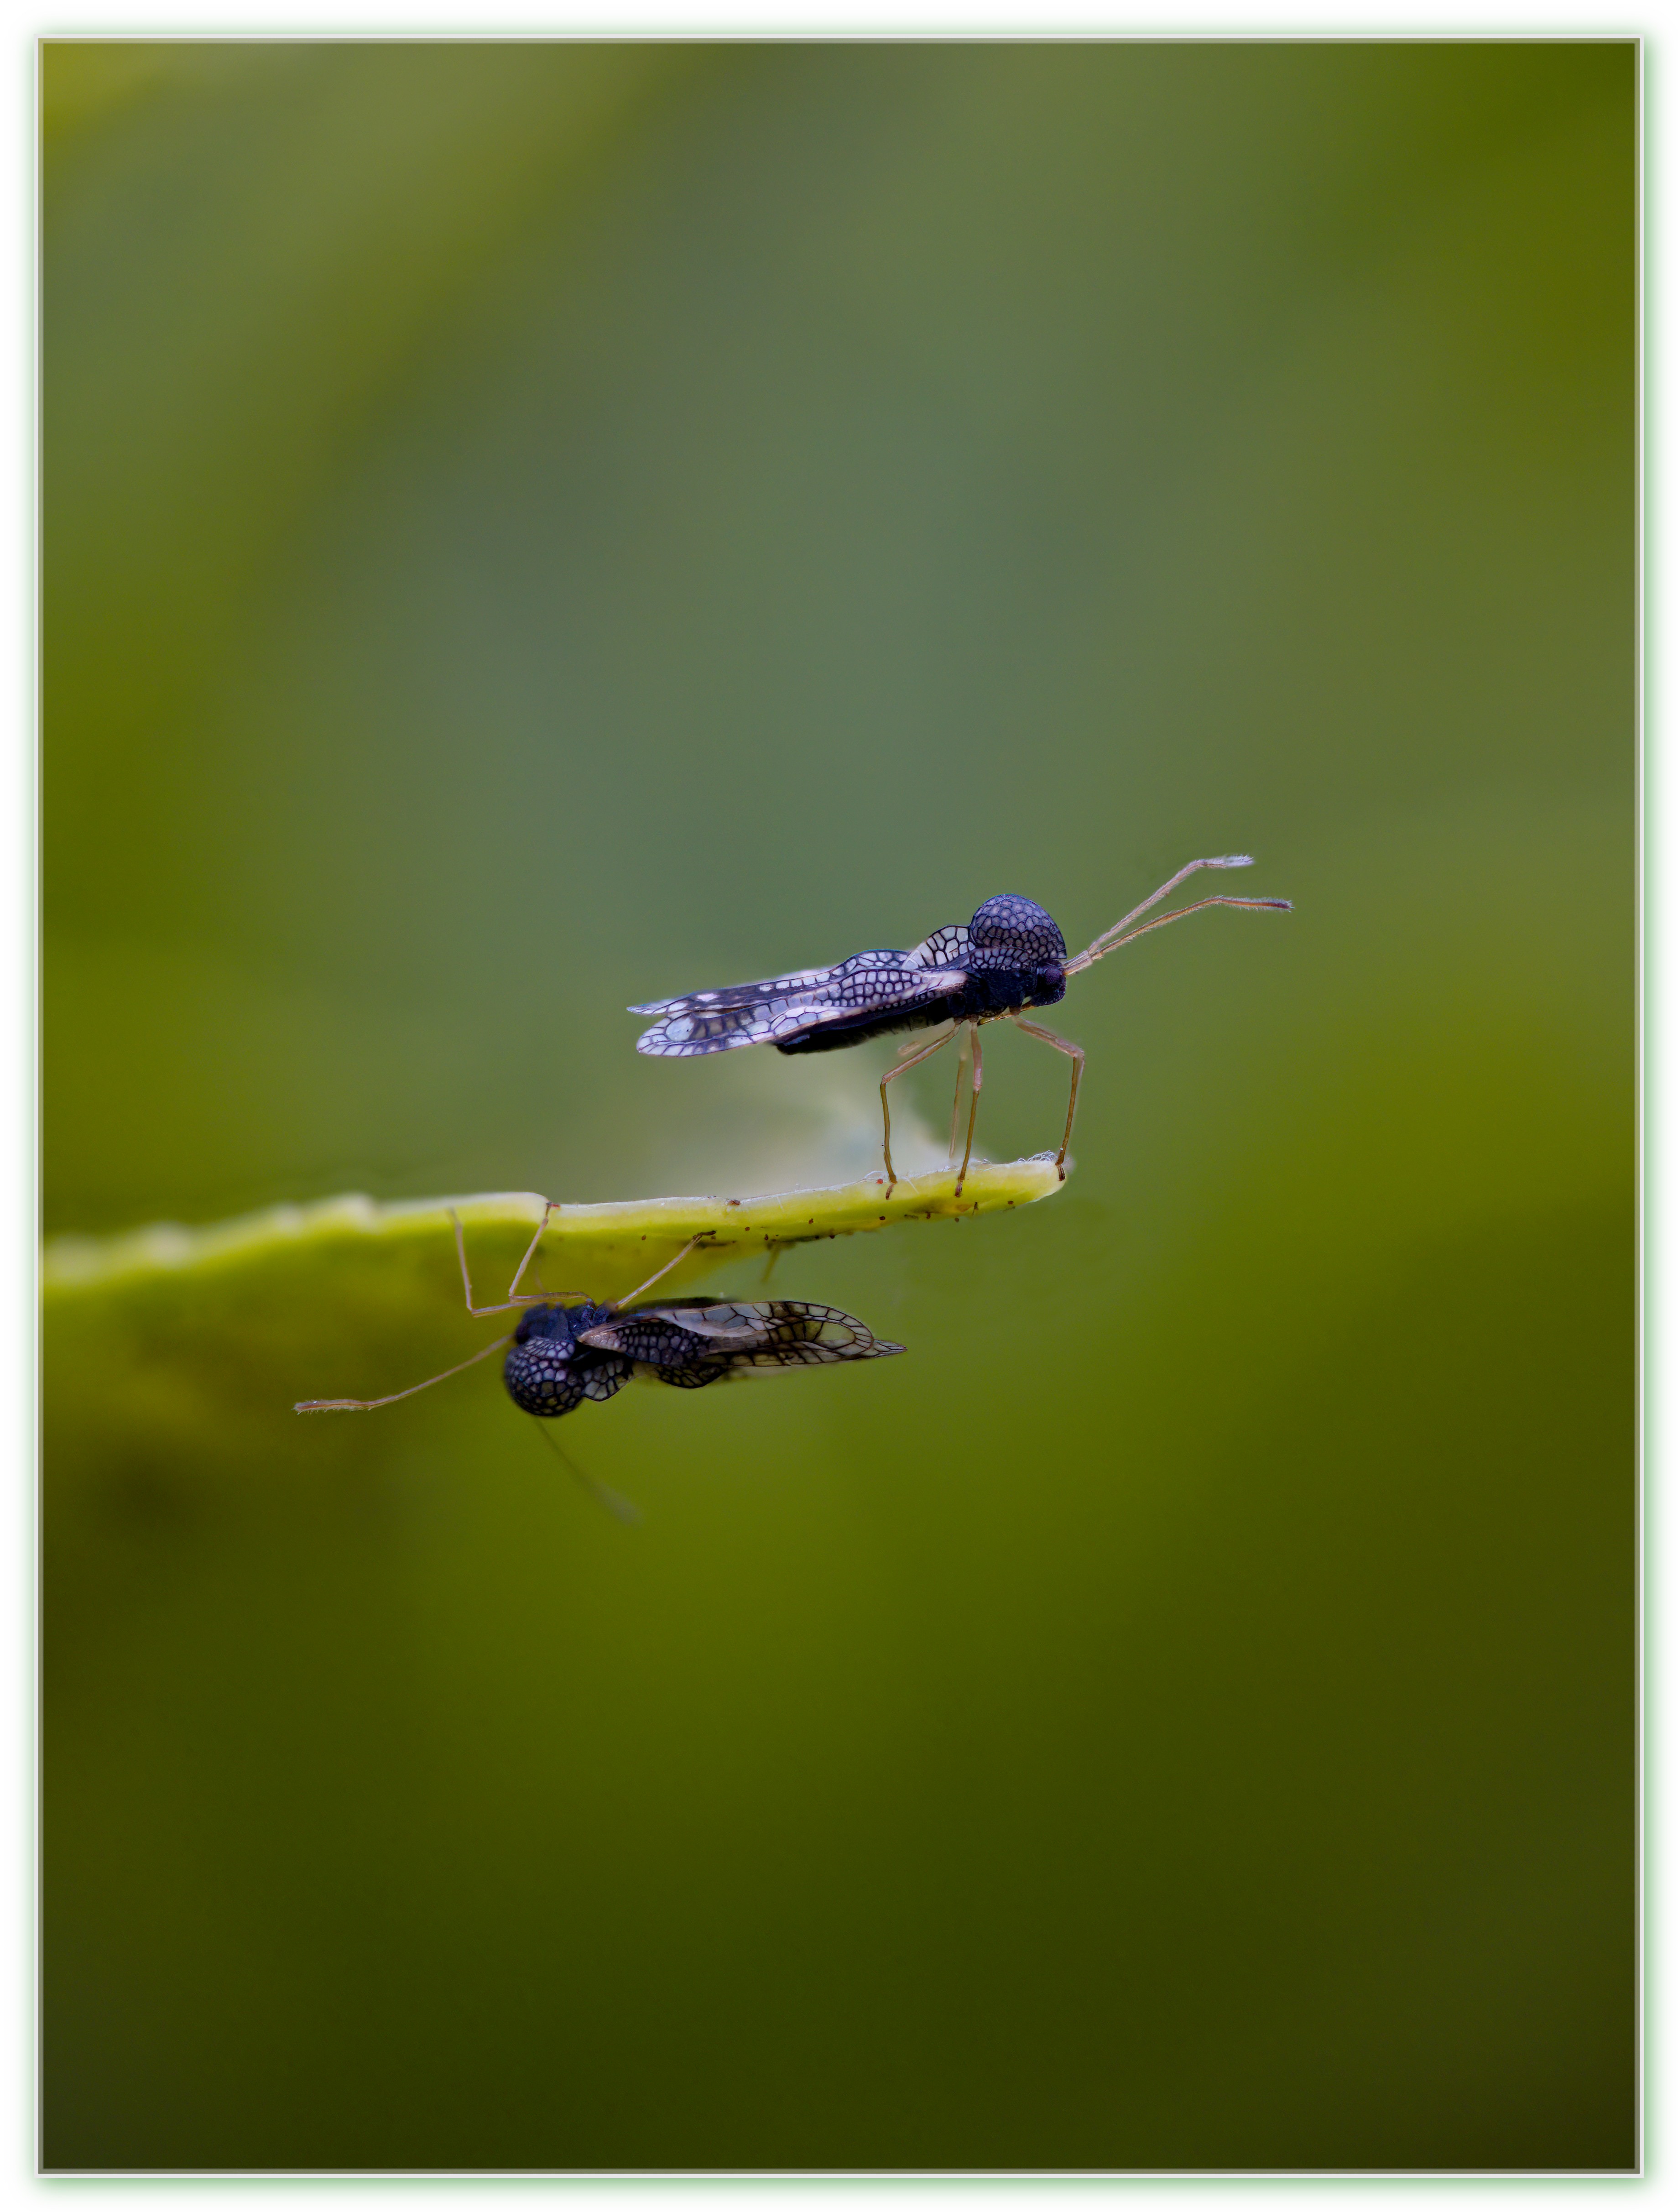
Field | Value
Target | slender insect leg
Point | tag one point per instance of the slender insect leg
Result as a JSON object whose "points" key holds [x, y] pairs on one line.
{"points": [[366, 1404], [1075, 1054], [530, 1251], [514, 1296], [973, 1110], [663, 1271], [955, 1103], [907, 1061]]}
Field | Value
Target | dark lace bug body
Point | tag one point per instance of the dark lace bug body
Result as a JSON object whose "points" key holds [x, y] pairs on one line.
{"points": [[1014, 956], [548, 1371], [561, 1351], [1010, 957], [562, 1354]]}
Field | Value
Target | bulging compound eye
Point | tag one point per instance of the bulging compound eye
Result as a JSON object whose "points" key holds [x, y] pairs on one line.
{"points": [[540, 1377], [1018, 927]]}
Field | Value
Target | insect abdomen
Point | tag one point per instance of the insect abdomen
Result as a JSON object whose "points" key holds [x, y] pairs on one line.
{"points": [[982, 998], [833, 1036]]}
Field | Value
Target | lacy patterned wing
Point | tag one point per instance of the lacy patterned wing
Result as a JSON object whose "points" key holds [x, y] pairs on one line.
{"points": [[790, 1332], [691, 1327], [775, 1333], [694, 1377], [557, 1391], [606, 1380], [946, 948], [787, 1005], [682, 1330], [745, 994], [544, 1377], [650, 1335]]}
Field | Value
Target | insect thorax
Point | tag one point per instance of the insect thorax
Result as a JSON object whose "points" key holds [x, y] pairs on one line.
{"points": [[1009, 932], [995, 991], [1015, 958], [565, 1323], [547, 1371]]}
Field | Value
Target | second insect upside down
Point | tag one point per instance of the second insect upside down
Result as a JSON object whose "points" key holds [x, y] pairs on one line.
{"points": [[562, 1354], [1011, 956]]}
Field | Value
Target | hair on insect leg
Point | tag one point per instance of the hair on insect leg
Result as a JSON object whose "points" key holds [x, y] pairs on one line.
{"points": [[776, 1251], [906, 1059], [618, 1507], [973, 1108]]}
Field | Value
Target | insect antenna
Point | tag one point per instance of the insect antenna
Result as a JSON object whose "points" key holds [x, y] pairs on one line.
{"points": [[1122, 933], [620, 1508]]}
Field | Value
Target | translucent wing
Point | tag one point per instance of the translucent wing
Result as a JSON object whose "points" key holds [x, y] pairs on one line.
{"points": [[778, 1333], [694, 1377], [654, 1338], [752, 994], [605, 1381], [689, 1326], [946, 948], [787, 1005], [811, 1336]]}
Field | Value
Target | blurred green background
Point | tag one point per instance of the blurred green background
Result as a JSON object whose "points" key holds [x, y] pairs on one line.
{"points": [[531, 527]]}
